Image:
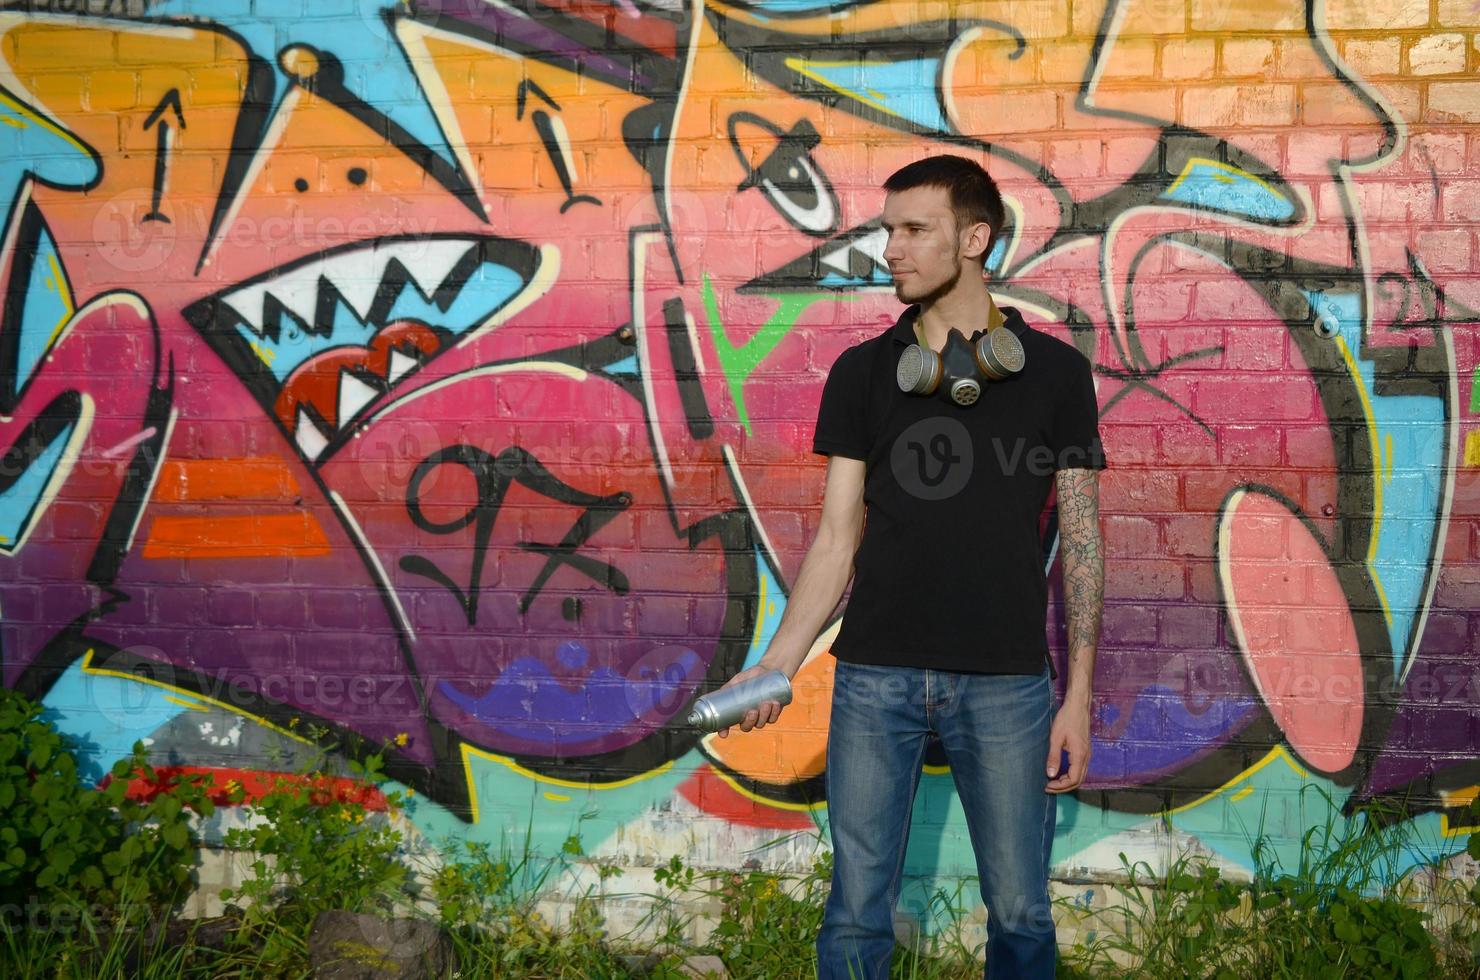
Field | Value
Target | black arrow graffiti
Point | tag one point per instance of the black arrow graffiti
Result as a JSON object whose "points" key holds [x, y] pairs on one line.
{"points": [[171, 100]]}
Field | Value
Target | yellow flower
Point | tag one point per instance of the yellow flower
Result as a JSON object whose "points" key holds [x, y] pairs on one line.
{"points": [[401, 738], [232, 786]]}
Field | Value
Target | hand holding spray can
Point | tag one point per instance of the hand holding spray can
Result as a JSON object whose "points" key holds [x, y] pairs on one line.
{"points": [[728, 706]]}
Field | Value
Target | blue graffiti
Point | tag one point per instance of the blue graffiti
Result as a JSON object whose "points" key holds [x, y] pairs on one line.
{"points": [[627, 365], [44, 309], [1408, 474], [32, 145], [376, 69], [904, 89], [770, 604], [1163, 734], [19, 501], [1219, 187], [795, 8], [104, 714], [569, 714]]}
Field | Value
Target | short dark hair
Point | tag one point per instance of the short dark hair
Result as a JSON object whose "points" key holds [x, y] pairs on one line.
{"points": [[972, 192]]}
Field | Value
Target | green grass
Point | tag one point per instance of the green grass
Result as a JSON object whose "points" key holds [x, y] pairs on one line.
{"points": [[1189, 921], [1341, 910]]}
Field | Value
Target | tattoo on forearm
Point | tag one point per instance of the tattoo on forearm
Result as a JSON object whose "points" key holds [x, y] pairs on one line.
{"points": [[1083, 560]]}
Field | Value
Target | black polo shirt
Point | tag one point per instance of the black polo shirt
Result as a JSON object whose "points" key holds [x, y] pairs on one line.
{"points": [[950, 574]]}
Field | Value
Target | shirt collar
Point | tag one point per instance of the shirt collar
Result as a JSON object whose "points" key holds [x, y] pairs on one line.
{"points": [[904, 327]]}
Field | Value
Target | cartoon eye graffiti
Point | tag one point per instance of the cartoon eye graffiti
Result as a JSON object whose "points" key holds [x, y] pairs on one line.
{"points": [[790, 178]]}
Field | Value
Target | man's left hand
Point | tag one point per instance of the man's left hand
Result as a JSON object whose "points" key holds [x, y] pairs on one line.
{"points": [[1070, 733]]}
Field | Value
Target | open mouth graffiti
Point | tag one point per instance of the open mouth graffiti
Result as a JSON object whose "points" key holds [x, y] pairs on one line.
{"points": [[854, 260], [323, 338]]}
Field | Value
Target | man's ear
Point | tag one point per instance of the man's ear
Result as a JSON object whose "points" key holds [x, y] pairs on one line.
{"points": [[975, 241]]}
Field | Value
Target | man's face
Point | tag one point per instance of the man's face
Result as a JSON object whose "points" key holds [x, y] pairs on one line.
{"points": [[924, 248]]}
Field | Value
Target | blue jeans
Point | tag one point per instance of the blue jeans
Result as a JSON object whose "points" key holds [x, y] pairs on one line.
{"points": [[994, 728]]}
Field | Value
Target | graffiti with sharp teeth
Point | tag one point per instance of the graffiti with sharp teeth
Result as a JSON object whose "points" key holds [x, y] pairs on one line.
{"points": [[440, 377], [322, 339]]}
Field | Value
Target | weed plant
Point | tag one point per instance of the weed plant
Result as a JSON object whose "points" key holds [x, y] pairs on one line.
{"points": [[766, 923], [62, 841], [488, 901], [317, 846], [109, 887], [1340, 912], [87, 874]]}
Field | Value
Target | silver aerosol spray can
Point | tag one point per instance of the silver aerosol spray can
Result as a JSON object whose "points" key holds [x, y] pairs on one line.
{"points": [[728, 706]]}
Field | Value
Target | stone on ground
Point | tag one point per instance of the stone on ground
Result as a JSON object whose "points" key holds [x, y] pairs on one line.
{"points": [[355, 946]]}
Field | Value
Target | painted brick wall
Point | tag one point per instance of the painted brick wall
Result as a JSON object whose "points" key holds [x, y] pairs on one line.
{"points": [[442, 375]]}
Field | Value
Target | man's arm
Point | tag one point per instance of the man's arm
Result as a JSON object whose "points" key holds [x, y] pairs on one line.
{"points": [[820, 583], [1081, 553]]}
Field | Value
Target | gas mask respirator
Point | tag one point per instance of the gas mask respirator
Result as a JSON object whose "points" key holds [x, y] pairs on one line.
{"points": [[956, 372]]}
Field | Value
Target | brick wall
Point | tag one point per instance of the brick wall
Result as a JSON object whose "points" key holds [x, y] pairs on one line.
{"points": [[441, 377]]}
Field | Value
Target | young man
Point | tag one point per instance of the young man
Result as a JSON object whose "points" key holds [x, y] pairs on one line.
{"points": [[944, 632]]}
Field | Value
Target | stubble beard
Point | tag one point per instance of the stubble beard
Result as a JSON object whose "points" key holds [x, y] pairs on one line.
{"points": [[929, 296]]}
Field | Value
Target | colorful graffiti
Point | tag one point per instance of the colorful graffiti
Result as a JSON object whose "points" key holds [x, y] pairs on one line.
{"points": [[447, 370]]}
